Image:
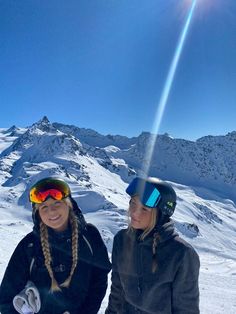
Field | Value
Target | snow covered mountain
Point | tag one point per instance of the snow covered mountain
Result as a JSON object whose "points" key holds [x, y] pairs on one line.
{"points": [[98, 169], [209, 161]]}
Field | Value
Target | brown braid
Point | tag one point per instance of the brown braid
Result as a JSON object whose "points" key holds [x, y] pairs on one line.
{"points": [[75, 238], [156, 240], [46, 249], [47, 256]]}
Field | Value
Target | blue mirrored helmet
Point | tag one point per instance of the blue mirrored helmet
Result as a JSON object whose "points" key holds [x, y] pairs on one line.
{"points": [[154, 193]]}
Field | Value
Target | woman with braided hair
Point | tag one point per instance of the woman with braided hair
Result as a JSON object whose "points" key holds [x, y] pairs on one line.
{"points": [[154, 271], [64, 257]]}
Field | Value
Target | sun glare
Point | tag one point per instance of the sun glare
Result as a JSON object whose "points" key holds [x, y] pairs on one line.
{"points": [[205, 6], [167, 86]]}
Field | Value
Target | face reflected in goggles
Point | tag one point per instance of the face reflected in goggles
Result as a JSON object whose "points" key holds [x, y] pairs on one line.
{"points": [[147, 192], [54, 188]]}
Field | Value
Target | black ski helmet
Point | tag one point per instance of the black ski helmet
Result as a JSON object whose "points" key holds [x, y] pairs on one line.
{"points": [[154, 192]]}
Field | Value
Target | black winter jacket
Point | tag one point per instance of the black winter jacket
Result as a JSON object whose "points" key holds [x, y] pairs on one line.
{"points": [[171, 289], [89, 281]]}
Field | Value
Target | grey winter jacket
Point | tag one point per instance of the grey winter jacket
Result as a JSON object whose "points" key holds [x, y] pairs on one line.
{"points": [[171, 289]]}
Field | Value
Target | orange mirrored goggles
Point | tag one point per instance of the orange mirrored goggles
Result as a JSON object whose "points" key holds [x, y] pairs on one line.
{"points": [[49, 187]]}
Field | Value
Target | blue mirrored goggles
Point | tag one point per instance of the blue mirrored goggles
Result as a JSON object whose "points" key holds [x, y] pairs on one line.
{"points": [[148, 194]]}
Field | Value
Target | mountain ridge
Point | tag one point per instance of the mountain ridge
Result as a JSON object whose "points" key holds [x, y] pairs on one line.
{"points": [[208, 161]]}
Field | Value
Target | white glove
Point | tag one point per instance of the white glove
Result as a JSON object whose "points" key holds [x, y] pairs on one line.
{"points": [[28, 300], [26, 310]]}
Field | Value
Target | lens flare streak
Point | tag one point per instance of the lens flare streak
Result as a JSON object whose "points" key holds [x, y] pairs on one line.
{"points": [[166, 90]]}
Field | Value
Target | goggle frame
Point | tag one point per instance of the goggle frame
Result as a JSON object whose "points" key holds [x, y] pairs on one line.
{"points": [[49, 187], [147, 192]]}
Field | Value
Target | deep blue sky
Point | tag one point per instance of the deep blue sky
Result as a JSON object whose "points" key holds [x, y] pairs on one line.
{"points": [[102, 64]]}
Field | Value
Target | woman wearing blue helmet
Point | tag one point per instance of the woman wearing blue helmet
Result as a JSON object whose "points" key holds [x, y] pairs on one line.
{"points": [[153, 269]]}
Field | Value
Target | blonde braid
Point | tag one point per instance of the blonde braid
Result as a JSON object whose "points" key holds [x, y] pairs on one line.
{"points": [[75, 238], [47, 256], [156, 240]]}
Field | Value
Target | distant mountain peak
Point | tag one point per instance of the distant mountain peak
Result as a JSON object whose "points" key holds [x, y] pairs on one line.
{"points": [[44, 125], [44, 120], [232, 134], [13, 130]]}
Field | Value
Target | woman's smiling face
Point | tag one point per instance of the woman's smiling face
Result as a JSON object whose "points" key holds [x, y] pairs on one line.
{"points": [[54, 214]]}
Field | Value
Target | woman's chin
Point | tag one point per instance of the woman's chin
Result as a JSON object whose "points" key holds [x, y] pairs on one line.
{"points": [[135, 224]]}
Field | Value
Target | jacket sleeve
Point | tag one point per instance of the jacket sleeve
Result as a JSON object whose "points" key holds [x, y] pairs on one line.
{"points": [[14, 279], [100, 269], [116, 297], [185, 291]]}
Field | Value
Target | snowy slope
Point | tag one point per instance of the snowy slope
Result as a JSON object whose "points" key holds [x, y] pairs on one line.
{"points": [[98, 177]]}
